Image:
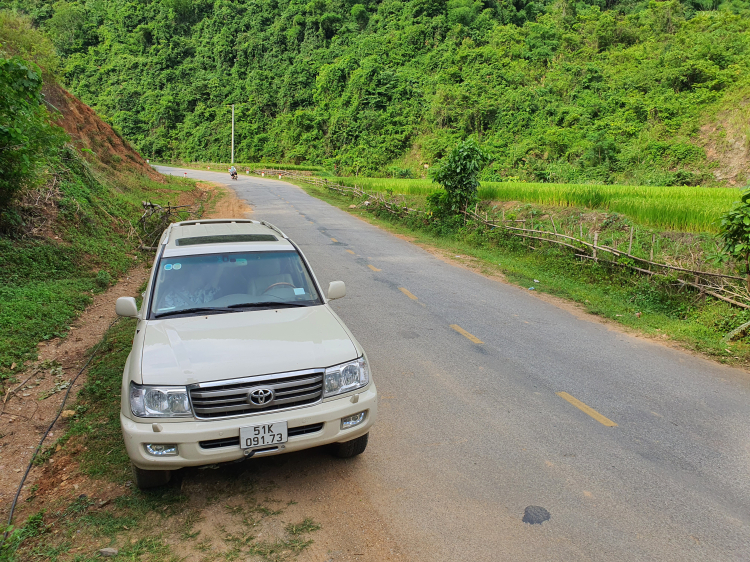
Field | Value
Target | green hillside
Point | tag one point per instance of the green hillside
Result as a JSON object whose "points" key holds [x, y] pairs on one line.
{"points": [[68, 213], [627, 92]]}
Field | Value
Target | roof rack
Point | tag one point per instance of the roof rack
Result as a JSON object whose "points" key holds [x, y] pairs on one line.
{"points": [[212, 221], [165, 235], [272, 227]]}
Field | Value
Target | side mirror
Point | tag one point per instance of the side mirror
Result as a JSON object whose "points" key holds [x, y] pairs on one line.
{"points": [[336, 290], [125, 306]]}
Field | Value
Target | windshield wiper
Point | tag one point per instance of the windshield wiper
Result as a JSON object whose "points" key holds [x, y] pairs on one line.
{"points": [[265, 303], [194, 309]]}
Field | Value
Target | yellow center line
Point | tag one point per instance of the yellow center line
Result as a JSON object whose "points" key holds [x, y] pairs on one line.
{"points": [[588, 410], [334, 240], [373, 267], [466, 334], [408, 294], [351, 252]]}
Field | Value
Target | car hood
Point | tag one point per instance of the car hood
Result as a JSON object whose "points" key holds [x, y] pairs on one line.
{"points": [[187, 350]]}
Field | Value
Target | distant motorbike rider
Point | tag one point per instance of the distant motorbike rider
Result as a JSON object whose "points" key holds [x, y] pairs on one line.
{"points": [[233, 172]]}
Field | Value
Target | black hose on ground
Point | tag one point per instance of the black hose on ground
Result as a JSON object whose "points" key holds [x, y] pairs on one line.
{"points": [[39, 447]]}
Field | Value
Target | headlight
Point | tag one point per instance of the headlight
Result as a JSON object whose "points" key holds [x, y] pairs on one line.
{"points": [[159, 401], [346, 377]]}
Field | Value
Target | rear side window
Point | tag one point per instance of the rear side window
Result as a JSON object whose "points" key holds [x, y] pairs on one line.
{"points": [[223, 280]]}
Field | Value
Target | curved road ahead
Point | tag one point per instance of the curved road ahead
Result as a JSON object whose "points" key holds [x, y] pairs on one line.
{"points": [[484, 390]]}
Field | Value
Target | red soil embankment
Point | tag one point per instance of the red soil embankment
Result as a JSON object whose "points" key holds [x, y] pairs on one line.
{"points": [[88, 130]]}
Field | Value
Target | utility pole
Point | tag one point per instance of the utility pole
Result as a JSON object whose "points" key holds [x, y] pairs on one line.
{"points": [[232, 104]]}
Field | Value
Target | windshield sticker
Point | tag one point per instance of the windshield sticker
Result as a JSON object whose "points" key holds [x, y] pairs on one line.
{"points": [[241, 261], [166, 308], [299, 291], [177, 266], [168, 267]]}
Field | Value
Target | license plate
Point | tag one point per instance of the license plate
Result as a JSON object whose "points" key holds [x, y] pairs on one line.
{"points": [[263, 435]]}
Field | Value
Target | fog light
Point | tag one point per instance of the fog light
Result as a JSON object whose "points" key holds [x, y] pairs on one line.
{"points": [[351, 421], [160, 450]]}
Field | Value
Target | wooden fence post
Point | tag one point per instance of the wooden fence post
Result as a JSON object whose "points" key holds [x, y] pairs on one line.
{"points": [[653, 240], [630, 244], [596, 239]]}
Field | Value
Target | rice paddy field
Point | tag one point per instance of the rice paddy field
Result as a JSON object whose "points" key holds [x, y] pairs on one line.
{"points": [[687, 209]]}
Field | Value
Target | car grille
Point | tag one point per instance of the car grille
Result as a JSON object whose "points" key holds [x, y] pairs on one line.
{"points": [[230, 398], [235, 441]]}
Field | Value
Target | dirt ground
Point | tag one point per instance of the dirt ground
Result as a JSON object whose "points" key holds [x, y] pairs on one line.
{"points": [[229, 206], [26, 414], [295, 486]]}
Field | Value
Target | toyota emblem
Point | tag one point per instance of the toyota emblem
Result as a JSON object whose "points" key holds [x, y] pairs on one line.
{"points": [[260, 396]]}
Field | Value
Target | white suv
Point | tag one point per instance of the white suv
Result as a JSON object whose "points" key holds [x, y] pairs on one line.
{"points": [[237, 354]]}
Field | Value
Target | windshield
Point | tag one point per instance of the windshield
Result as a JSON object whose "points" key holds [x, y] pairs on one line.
{"points": [[231, 282]]}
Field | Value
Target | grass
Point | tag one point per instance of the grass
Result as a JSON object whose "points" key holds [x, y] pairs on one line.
{"points": [[691, 209], [45, 282], [655, 308], [95, 427], [306, 526]]}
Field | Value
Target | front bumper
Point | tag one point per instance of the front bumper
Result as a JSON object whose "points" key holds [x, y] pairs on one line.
{"points": [[188, 434]]}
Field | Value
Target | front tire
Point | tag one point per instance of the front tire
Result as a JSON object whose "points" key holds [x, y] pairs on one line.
{"points": [[146, 479], [351, 448]]}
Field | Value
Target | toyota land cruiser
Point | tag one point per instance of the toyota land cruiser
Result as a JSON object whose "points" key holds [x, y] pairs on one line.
{"points": [[237, 354]]}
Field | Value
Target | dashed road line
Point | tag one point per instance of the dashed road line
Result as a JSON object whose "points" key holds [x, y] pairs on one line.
{"points": [[466, 334], [334, 240], [587, 409], [373, 267], [351, 252], [408, 294]]}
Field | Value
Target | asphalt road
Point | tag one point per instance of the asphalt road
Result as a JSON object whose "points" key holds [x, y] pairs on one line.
{"points": [[471, 434]]}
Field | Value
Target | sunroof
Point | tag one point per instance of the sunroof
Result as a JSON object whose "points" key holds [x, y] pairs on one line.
{"points": [[225, 238]]}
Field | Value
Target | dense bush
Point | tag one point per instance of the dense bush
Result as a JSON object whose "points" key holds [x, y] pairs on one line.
{"points": [[458, 177], [27, 137], [553, 91], [735, 234], [26, 133]]}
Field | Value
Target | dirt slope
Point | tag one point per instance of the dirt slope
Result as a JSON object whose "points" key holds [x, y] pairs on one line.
{"points": [[726, 139], [88, 130]]}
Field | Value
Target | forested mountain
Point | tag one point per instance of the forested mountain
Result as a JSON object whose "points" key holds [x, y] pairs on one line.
{"points": [[598, 90]]}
